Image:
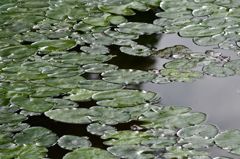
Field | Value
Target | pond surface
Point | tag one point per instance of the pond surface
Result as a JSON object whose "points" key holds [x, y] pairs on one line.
{"points": [[219, 98], [78, 79]]}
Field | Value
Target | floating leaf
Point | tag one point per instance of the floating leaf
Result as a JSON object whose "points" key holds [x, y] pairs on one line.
{"points": [[180, 75], [195, 142], [214, 69], [98, 85], [93, 153], [139, 28], [178, 152], [81, 95], [229, 140], [54, 45], [8, 117], [105, 115], [124, 98], [172, 118], [99, 67], [131, 151], [203, 130], [200, 31], [74, 115], [233, 65], [136, 50], [95, 49], [100, 129], [31, 104], [38, 135], [71, 142], [127, 76], [23, 152], [177, 51]]}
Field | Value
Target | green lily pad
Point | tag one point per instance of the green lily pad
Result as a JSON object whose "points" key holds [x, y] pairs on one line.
{"points": [[100, 129], [139, 28], [54, 45], [124, 98], [178, 152], [24, 151], [233, 65], [99, 67], [71, 142], [209, 40], [181, 64], [98, 85], [172, 118], [180, 75], [195, 142], [38, 135], [203, 130], [74, 58], [127, 76], [93, 153], [8, 117], [177, 51], [131, 151], [37, 105], [126, 137], [107, 116], [95, 49], [229, 140], [80, 95], [74, 115], [214, 69], [200, 31], [136, 50]]}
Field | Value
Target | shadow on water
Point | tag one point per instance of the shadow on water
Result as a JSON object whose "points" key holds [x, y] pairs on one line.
{"points": [[144, 17], [56, 152], [124, 61]]}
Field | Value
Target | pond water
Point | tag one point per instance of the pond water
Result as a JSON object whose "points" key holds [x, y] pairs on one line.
{"points": [[51, 88], [219, 98]]}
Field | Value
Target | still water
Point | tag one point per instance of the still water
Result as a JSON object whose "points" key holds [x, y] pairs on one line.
{"points": [[219, 98]]}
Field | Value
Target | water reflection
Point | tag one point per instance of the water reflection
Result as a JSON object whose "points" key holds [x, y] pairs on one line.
{"points": [[219, 98]]}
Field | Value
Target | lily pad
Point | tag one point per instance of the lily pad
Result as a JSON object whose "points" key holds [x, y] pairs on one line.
{"points": [[31, 104], [98, 85], [229, 140], [136, 50], [38, 135], [99, 67], [93, 153], [200, 31], [54, 45], [71, 142], [132, 151], [124, 98], [214, 69], [23, 152], [100, 129], [74, 115], [172, 118], [233, 65], [178, 152], [202, 130], [127, 76]]}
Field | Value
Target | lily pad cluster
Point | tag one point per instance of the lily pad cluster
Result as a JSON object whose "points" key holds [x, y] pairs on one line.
{"points": [[48, 50], [184, 65], [210, 22]]}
